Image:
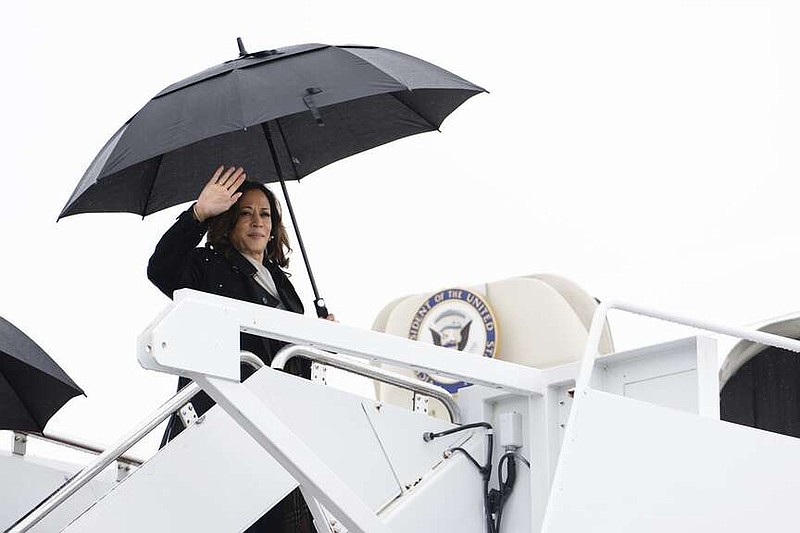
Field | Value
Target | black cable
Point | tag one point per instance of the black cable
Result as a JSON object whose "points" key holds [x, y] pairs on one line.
{"points": [[494, 500], [469, 456], [505, 485], [485, 470], [522, 458], [429, 436]]}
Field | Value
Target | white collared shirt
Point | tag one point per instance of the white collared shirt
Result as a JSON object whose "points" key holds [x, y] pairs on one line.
{"points": [[264, 278]]}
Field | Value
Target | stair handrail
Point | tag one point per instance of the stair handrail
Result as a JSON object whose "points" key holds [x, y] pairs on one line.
{"points": [[77, 444], [370, 371], [600, 316], [112, 454]]}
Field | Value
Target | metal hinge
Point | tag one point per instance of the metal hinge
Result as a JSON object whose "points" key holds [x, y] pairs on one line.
{"points": [[20, 443], [187, 415], [319, 373]]}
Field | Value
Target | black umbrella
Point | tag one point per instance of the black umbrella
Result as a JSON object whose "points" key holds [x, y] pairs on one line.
{"points": [[32, 386], [281, 114]]}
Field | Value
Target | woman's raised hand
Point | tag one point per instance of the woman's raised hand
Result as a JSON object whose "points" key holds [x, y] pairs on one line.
{"points": [[219, 194]]}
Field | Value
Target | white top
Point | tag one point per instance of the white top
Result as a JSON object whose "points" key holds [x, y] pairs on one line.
{"points": [[264, 278]]}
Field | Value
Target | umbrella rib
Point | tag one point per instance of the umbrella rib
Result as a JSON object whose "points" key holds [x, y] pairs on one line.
{"points": [[404, 84], [22, 403], [152, 186], [423, 117], [237, 86], [288, 150]]}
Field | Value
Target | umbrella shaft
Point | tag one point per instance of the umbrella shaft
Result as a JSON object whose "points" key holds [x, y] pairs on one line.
{"points": [[299, 237], [279, 171]]}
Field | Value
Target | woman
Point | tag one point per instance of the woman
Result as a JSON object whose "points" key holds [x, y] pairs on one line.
{"points": [[243, 258]]}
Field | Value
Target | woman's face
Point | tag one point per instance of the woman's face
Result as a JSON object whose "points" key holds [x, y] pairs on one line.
{"points": [[251, 232]]}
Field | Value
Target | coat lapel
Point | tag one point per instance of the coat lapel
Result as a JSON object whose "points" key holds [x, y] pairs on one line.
{"points": [[256, 293], [285, 289]]}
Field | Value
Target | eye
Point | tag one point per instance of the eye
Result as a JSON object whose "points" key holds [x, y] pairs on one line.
{"points": [[265, 214]]}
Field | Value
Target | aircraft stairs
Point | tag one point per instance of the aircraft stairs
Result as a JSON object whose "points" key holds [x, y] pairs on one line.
{"points": [[624, 442]]}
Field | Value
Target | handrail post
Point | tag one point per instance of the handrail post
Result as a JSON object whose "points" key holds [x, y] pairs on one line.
{"points": [[20, 443]]}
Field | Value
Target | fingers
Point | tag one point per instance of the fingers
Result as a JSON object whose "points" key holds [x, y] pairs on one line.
{"points": [[231, 177], [238, 181], [217, 174]]}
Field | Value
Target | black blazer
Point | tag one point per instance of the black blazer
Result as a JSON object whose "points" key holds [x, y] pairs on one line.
{"points": [[178, 263]]}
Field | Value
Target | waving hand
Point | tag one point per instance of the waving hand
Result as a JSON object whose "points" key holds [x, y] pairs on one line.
{"points": [[219, 194]]}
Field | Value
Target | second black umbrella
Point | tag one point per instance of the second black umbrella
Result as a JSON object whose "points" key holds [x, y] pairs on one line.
{"points": [[32, 386]]}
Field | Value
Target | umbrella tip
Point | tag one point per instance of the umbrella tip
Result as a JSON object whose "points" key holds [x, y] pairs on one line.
{"points": [[242, 51]]}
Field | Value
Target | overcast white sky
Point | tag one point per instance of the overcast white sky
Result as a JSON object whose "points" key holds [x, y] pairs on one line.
{"points": [[646, 150]]}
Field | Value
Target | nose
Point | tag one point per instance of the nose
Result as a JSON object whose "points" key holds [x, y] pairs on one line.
{"points": [[255, 221]]}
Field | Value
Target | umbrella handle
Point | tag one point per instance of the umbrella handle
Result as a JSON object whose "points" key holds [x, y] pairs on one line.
{"points": [[319, 306]]}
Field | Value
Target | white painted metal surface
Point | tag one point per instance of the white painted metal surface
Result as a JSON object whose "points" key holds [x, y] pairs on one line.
{"points": [[353, 436], [211, 477], [205, 308], [225, 480], [102, 461], [599, 321], [629, 466], [680, 374], [214, 330], [258, 417], [452, 503], [367, 466], [25, 481]]}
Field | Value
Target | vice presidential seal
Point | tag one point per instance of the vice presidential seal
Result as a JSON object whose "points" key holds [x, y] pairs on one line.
{"points": [[458, 319]]}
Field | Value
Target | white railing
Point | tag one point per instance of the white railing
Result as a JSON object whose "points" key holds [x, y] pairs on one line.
{"points": [[115, 452], [599, 320], [369, 371], [194, 336]]}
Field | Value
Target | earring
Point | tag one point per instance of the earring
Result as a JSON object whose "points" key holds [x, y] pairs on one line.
{"points": [[272, 237]]}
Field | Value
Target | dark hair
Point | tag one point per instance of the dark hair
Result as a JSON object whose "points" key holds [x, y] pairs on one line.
{"points": [[220, 226]]}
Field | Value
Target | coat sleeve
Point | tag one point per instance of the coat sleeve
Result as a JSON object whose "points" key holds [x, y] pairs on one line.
{"points": [[174, 263]]}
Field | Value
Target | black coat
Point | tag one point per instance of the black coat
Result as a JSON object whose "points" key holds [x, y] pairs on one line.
{"points": [[178, 263]]}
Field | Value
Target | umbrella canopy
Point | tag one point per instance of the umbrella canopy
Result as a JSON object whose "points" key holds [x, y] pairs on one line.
{"points": [[317, 103], [32, 386], [280, 114]]}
